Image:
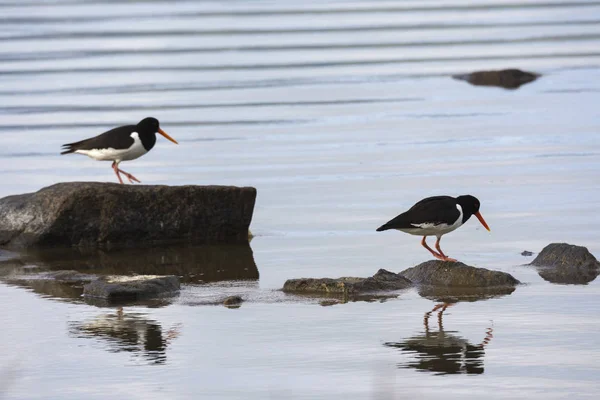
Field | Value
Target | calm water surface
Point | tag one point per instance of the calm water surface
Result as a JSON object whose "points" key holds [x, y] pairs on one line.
{"points": [[342, 114]]}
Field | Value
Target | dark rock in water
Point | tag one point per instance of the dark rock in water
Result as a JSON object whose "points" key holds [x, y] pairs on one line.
{"points": [[567, 264], [442, 273], [98, 214], [526, 253], [233, 301], [125, 288], [506, 78], [382, 281]]}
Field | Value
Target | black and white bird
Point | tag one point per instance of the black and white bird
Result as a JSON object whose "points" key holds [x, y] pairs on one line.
{"points": [[123, 143], [436, 216]]}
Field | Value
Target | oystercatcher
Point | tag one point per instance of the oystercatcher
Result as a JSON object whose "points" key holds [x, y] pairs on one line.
{"points": [[123, 143], [436, 216]]}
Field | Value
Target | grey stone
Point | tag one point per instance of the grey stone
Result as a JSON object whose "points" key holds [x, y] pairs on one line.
{"points": [[382, 281], [506, 78], [233, 301], [566, 264], [526, 253], [123, 288], [443, 273], [98, 214]]}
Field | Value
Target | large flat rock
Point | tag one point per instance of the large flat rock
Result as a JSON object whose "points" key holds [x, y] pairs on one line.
{"points": [[442, 273], [566, 264], [94, 213], [382, 281]]}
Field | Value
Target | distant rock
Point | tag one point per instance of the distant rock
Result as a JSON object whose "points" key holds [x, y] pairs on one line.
{"points": [[526, 253], [233, 301], [566, 264], [382, 281], [127, 288], [98, 214], [442, 273], [506, 78]]}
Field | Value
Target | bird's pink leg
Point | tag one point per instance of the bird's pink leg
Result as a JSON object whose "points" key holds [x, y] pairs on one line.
{"points": [[130, 177], [445, 257], [116, 169], [436, 255]]}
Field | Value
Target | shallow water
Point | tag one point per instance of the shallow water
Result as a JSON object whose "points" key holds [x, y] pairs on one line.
{"points": [[341, 114]]}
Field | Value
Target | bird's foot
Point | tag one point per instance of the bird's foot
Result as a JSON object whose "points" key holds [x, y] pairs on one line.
{"points": [[446, 258], [130, 177]]}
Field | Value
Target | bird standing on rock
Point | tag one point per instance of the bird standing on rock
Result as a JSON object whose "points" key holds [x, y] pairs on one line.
{"points": [[436, 216], [123, 143]]}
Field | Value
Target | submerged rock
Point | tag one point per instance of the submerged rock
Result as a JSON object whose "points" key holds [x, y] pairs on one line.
{"points": [[506, 78], [125, 288], [382, 281], [526, 253], [567, 264], [93, 213], [442, 273]]}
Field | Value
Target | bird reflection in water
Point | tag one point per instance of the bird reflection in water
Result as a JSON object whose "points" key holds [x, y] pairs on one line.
{"points": [[130, 333], [442, 352]]}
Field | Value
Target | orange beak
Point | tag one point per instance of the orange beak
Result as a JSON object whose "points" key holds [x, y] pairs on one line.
{"points": [[480, 218], [167, 136]]}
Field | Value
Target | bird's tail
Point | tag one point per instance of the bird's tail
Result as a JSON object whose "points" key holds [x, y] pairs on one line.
{"points": [[383, 227], [70, 147]]}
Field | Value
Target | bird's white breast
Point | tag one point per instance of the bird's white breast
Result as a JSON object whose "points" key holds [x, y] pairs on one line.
{"points": [[134, 151]]}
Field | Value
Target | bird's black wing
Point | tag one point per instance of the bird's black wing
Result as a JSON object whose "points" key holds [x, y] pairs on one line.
{"points": [[436, 210], [117, 138]]}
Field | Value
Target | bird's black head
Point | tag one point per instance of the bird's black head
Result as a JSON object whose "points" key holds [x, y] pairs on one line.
{"points": [[470, 206], [148, 125]]}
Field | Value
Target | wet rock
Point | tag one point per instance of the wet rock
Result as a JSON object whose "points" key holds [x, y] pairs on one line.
{"points": [[68, 276], [124, 288], [506, 78], [441, 273], [382, 281], [98, 214], [566, 264], [233, 301], [526, 253]]}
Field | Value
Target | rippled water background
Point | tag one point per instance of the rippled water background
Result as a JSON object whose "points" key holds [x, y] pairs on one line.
{"points": [[341, 114]]}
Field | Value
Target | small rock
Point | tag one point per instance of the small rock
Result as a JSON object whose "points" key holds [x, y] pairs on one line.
{"points": [[567, 264], [442, 273], [526, 253], [329, 302], [382, 281], [233, 301], [506, 78], [125, 288]]}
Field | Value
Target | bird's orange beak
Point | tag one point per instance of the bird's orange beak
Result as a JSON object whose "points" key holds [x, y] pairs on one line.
{"points": [[167, 136], [480, 218]]}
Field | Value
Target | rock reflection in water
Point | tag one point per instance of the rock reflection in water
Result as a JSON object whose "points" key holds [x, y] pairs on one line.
{"points": [[443, 352], [581, 275], [122, 331], [37, 270], [190, 263]]}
